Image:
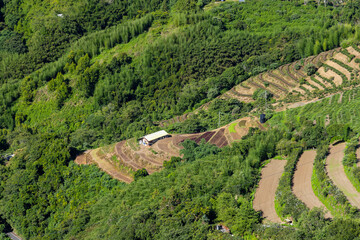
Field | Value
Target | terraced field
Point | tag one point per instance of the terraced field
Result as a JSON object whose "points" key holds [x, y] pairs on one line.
{"points": [[265, 193], [337, 174], [302, 181], [126, 157], [122, 159], [291, 79]]}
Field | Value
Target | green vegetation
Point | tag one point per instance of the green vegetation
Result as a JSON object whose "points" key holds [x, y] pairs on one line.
{"points": [[76, 75], [327, 80], [326, 191], [342, 75], [350, 163], [286, 203], [347, 67], [346, 52], [318, 82], [232, 127]]}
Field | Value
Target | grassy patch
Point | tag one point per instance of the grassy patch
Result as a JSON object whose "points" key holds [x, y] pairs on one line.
{"points": [[232, 127], [336, 209]]}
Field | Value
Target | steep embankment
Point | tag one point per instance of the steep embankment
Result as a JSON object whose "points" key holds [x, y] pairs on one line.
{"points": [[302, 181], [265, 193], [337, 174]]}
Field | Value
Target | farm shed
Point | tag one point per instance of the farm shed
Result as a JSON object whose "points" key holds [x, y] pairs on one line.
{"points": [[153, 137]]}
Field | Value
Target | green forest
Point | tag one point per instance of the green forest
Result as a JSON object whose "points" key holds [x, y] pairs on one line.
{"points": [[77, 75]]}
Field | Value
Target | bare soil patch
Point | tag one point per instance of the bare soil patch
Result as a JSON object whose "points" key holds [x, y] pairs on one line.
{"points": [[265, 193], [335, 170], [302, 181]]}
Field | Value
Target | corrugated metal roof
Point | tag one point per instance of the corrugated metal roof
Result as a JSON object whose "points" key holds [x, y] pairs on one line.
{"points": [[156, 135]]}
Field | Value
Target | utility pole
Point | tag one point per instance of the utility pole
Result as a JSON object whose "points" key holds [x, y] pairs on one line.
{"points": [[219, 120], [265, 100]]}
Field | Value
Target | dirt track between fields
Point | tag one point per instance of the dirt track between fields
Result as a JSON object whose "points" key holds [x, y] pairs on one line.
{"points": [[265, 193], [302, 181], [335, 170]]}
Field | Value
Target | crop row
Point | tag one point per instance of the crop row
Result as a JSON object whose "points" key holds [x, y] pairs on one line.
{"points": [[318, 82], [280, 79], [345, 52], [347, 67], [356, 48], [290, 74], [344, 78], [271, 83], [305, 89], [326, 80]]}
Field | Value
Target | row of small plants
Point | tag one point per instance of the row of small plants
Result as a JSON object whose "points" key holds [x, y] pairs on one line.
{"points": [[317, 81], [350, 159], [286, 203], [334, 200], [347, 67], [327, 67], [326, 79], [346, 53]]}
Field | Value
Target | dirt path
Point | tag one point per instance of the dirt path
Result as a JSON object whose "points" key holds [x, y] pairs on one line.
{"points": [[336, 172], [302, 181], [265, 193]]}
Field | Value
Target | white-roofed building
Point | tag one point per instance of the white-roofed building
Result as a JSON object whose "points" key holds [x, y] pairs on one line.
{"points": [[153, 137]]}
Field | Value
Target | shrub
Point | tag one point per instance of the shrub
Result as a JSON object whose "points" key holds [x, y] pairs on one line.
{"points": [[310, 69], [140, 174]]}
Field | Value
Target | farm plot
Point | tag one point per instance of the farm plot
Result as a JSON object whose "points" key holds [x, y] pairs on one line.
{"points": [[276, 75], [241, 97], [273, 84], [219, 138], [351, 50], [302, 181], [288, 69], [314, 84], [325, 83], [109, 168], [265, 193], [149, 159], [335, 170], [257, 84], [119, 150], [345, 60], [329, 74], [340, 68], [164, 145]]}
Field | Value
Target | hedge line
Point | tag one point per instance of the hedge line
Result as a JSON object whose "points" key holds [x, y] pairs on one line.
{"points": [[286, 203], [334, 200]]}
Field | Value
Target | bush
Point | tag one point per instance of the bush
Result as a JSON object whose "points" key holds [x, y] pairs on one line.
{"points": [[310, 69], [140, 174]]}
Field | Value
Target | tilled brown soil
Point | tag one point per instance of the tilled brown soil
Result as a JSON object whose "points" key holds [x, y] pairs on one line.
{"points": [[302, 181], [265, 193], [335, 170]]}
